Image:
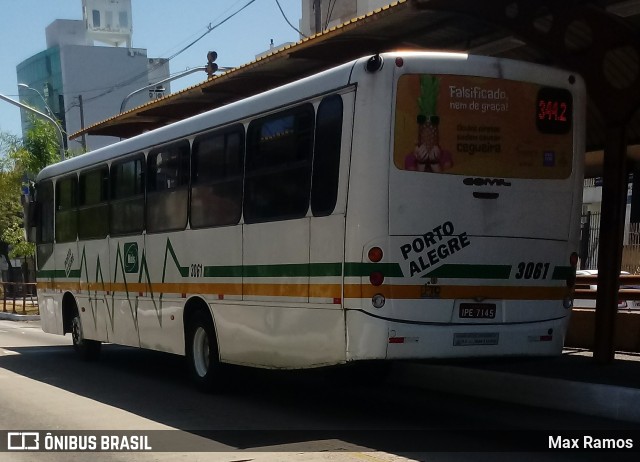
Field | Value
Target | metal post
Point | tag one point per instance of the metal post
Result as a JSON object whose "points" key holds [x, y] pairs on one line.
{"points": [[160, 82], [318, 15], [614, 194], [585, 238], [84, 135], [44, 101], [24, 298], [13, 295]]}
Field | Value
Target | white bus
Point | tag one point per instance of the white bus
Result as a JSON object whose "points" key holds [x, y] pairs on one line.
{"points": [[405, 205]]}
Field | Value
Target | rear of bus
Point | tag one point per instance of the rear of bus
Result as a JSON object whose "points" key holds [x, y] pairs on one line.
{"points": [[476, 254]]}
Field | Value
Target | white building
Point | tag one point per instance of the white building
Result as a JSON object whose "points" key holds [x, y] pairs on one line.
{"points": [[82, 83]]}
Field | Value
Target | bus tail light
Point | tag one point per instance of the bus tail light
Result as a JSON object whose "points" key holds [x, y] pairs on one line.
{"points": [[573, 259], [375, 254], [376, 278]]}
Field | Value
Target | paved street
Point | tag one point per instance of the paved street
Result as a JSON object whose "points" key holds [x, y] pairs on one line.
{"points": [[313, 415]]}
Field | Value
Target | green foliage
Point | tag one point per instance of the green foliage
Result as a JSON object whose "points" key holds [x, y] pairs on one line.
{"points": [[10, 207], [19, 157], [14, 237], [41, 144]]}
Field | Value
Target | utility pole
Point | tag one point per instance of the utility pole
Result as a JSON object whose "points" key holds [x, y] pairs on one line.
{"points": [[84, 135], [318, 15]]}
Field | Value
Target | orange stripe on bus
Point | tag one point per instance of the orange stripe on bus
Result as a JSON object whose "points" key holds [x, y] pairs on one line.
{"points": [[398, 292], [408, 292]]}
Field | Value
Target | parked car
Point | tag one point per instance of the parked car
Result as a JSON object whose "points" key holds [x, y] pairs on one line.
{"points": [[622, 304]]}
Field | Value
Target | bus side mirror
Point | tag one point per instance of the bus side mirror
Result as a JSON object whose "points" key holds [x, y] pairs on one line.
{"points": [[31, 218]]}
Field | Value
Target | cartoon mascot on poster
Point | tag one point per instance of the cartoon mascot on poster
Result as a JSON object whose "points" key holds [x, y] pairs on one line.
{"points": [[428, 155]]}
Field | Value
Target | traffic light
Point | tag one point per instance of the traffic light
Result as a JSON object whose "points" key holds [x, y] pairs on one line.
{"points": [[212, 67]]}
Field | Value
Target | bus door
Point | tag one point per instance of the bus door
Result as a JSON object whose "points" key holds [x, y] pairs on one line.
{"points": [[162, 275], [126, 249], [93, 228], [125, 255], [65, 254], [46, 268], [482, 196]]}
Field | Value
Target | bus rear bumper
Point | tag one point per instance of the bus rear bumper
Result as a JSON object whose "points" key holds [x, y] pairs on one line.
{"points": [[374, 338]]}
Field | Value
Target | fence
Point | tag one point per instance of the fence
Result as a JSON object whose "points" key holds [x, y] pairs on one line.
{"points": [[15, 291], [590, 238]]}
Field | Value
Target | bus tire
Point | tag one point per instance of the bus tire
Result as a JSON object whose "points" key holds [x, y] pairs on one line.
{"points": [[202, 352], [88, 349]]}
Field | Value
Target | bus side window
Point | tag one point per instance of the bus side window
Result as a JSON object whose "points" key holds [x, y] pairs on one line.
{"points": [[126, 208], [93, 207], [168, 187], [217, 167], [66, 213], [45, 220], [278, 171], [326, 156]]}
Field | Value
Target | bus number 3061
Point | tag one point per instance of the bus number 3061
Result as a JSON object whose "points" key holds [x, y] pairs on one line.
{"points": [[532, 270]]}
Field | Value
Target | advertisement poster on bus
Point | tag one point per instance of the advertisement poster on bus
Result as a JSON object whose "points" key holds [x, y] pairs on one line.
{"points": [[482, 126]]}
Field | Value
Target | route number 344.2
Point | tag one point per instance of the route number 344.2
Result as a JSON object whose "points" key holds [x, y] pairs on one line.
{"points": [[532, 270]]}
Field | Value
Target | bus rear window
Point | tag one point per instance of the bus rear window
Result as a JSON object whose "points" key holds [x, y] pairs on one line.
{"points": [[466, 125]]}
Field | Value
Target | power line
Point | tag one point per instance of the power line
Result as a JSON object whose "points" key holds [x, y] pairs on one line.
{"points": [[231, 7], [329, 12], [287, 19], [210, 29]]}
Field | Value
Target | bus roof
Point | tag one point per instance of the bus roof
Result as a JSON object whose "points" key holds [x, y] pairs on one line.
{"points": [[272, 99]]}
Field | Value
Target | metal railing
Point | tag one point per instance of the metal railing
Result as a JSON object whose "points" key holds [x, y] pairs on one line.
{"points": [[584, 291], [15, 291]]}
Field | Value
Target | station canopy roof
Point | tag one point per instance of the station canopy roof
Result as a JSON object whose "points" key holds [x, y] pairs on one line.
{"points": [[451, 25]]}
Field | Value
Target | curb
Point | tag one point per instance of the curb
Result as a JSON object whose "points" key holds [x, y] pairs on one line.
{"points": [[19, 317], [609, 401]]}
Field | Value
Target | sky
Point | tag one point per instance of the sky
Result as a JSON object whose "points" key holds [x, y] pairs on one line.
{"points": [[163, 27]]}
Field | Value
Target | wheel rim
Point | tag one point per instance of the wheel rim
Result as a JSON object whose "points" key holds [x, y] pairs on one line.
{"points": [[201, 351], [76, 331]]}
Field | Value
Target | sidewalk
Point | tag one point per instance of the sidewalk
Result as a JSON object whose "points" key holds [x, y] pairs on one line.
{"points": [[572, 382], [30, 312], [9, 316]]}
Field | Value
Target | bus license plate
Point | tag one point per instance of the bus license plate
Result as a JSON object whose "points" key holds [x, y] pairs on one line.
{"points": [[478, 310]]}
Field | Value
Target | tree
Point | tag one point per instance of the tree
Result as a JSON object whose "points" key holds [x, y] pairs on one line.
{"points": [[40, 146], [20, 158]]}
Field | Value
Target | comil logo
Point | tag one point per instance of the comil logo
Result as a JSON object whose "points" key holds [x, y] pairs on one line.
{"points": [[486, 182], [131, 257], [23, 441]]}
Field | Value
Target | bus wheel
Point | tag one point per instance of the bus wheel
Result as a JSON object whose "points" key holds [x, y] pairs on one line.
{"points": [[202, 352], [88, 349]]}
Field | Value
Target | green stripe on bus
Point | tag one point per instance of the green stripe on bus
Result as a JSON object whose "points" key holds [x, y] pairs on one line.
{"points": [[284, 270], [471, 272], [58, 274], [391, 270], [222, 271], [563, 272], [291, 270]]}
